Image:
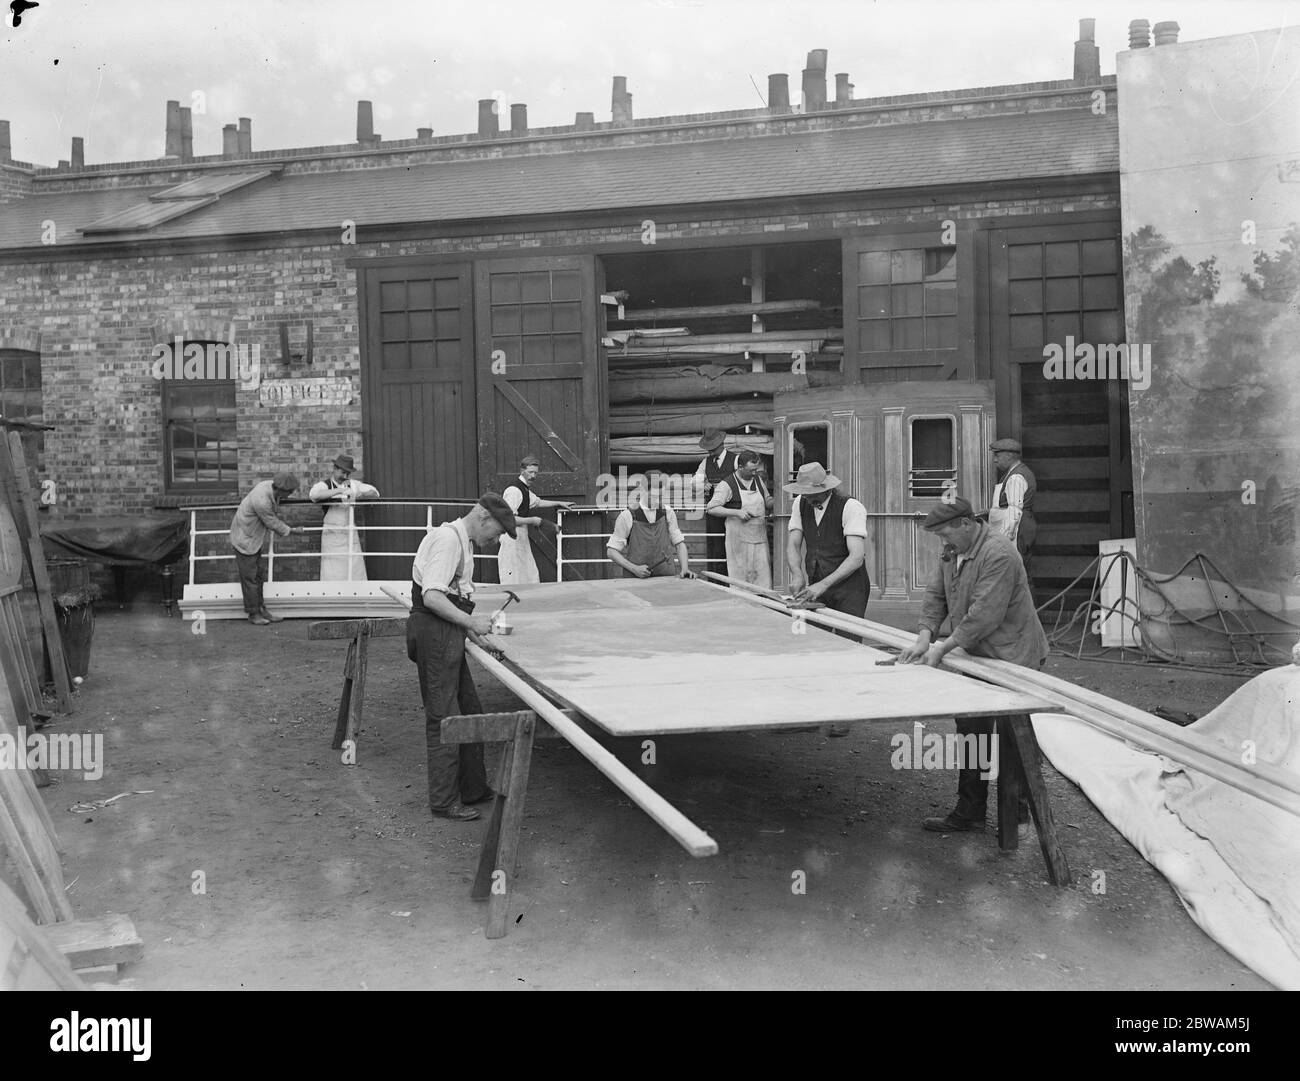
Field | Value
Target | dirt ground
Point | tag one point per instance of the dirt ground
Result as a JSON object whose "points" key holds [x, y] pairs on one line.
{"points": [[257, 860]]}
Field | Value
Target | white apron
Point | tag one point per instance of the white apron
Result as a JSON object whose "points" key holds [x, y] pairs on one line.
{"points": [[334, 539], [748, 560], [515, 562]]}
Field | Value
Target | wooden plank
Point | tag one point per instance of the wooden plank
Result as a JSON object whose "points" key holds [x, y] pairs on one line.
{"points": [[23, 835], [511, 801], [20, 485], [494, 727], [104, 940], [24, 935], [682, 830], [481, 890], [677, 419], [10, 723], [353, 727], [706, 311], [335, 629], [345, 698], [1010, 782], [695, 386]]}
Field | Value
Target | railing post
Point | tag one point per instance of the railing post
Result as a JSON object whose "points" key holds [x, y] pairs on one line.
{"points": [[351, 532], [270, 561], [559, 545], [194, 524]]}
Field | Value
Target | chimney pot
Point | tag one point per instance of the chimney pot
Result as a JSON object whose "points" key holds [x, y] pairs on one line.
{"points": [[6, 153], [64, 165], [365, 122], [187, 133], [230, 141], [488, 121], [585, 121], [1087, 57], [245, 136], [172, 144], [1139, 34], [518, 119], [816, 60], [843, 88], [622, 101], [424, 134], [814, 89], [78, 152], [778, 93], [1166, 33]]}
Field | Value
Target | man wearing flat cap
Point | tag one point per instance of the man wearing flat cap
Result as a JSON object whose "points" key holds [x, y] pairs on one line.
{"points": [[341, 555], [981, 591], [252, 524], [826, 543], [719, 464], [442, 585], [1011, 511]]}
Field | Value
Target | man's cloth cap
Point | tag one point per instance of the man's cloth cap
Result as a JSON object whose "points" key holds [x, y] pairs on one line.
{"points": [[286, 482], [946, 512], [1012, 445], [500, 510]]}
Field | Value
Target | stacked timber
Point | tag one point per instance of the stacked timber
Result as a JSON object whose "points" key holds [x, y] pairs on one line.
{"points": [[682, 449]]}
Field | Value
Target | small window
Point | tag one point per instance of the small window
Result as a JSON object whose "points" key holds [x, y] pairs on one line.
{"points": [[934, 456], [809, 443], [199, 445], [907, 300]]}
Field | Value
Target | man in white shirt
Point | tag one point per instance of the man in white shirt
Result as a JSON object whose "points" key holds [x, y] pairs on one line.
{"points": [[743, 502], [339, 536], [715, 468], [515, 562], [826, 548], [442, 585], [1011, 511], [646, 536]]}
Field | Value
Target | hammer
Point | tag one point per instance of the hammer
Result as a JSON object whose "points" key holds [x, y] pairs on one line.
{"points": [[496, 616]]}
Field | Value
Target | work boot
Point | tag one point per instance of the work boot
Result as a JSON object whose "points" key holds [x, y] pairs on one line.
{"points": [[953, 823], [270, 618], [457, 812], [257, 619]]}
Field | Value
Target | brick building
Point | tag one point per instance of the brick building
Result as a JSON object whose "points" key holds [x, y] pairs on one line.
{"points": [[442, 305]]}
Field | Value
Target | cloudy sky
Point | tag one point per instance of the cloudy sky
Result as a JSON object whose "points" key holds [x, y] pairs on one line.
{"points": [[103, 69]]}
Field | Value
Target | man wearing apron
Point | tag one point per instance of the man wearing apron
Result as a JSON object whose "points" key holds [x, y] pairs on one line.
{"points": [[337, 536], [515, 562], [827, 546], [717, 467], [1012, 509], [442, 583], [743, 502], [645, 538]]}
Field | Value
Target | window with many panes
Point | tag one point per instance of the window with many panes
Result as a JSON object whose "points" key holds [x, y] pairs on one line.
{"points": [[1064, 288], [907, 300], [20, 391], [199, 447]]}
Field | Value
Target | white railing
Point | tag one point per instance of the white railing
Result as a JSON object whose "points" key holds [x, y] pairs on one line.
{"points": [[561, 536], [354, 532]]}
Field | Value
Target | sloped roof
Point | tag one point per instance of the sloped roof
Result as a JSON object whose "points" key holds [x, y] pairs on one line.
{"points": [[1023, 146]]}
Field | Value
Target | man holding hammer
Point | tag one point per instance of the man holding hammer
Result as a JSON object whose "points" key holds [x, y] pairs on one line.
{"points": [[442, 583]]}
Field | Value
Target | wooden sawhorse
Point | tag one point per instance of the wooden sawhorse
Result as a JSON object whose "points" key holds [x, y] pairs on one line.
{"points": [[354, 668], [1020, 763], [499, 856]]}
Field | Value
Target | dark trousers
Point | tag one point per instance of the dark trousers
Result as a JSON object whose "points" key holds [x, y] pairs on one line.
{"points": [[250, 580], [972, 791], [447, 689], [849, 595]]}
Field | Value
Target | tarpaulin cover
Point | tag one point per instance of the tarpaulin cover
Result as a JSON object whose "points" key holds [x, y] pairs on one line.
{"points": [[1233, 858], [126, 541]]}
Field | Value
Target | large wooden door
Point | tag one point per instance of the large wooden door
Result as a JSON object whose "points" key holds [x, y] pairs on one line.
{"points": [[417, 369], [1047, 283], [539, 372]]}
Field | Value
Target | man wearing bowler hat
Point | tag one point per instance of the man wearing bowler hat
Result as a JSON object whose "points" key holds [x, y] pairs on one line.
{"points": [[719, 464], [339, 537], [442, 585], [981, 591], [1011, 511], [826, 544]]}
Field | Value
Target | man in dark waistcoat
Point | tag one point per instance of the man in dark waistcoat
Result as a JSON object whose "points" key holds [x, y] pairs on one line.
{"points": [[826, 547], [718, 466], [1012, 510], [442, 583]]}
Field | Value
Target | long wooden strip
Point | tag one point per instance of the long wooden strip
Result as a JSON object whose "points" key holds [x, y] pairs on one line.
{"points": [[55, 965], [1115, 718], [679, 827], [704, 311]]}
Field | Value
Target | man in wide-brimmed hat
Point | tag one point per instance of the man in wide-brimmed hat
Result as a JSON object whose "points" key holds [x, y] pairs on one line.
{"points": [[826, 544], [717, 466], [442, 585], [340, 536], [1011, 511], [981, 590]]}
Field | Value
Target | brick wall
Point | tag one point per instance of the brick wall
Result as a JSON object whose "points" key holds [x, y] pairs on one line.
{"points": [[98, 323], [14, 182]]}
